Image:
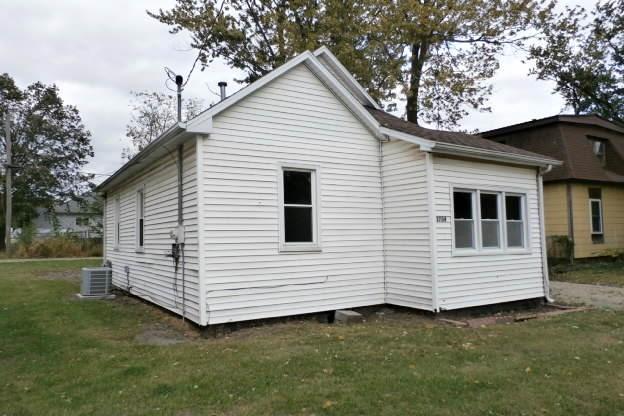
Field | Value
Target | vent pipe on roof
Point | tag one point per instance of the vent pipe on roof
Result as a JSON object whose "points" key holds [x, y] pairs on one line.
{"points": [[178, 81], [222, 86]]}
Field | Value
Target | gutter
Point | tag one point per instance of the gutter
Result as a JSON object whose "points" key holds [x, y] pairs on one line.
{"points": [[169, 134], [494, 155], [540, 196]]}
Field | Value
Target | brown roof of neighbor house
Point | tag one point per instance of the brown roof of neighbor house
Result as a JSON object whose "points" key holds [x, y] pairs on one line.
{"points": [[569, 138], [451, 137]]}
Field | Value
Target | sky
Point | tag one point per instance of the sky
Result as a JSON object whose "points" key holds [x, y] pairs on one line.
{"points": [[96, 52]]}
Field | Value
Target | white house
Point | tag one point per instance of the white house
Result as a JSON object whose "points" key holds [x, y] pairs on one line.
{"points": [[298, 194]]}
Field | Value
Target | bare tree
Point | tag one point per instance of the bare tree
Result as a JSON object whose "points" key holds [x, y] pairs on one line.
{"points": [[152, 113]]}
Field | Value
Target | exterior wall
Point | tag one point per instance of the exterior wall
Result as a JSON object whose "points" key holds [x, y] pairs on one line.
{"points": [[613, 219], [406, 224], [295, 118], [471, 280], [151, 273], [556, 208]]}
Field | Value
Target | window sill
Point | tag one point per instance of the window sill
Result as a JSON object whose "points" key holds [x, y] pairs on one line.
{"points": [[299, 248], [496, 252], [140, 250]]}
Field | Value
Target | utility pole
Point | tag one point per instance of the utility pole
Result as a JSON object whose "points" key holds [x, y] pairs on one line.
{"points": [[8, 185]]}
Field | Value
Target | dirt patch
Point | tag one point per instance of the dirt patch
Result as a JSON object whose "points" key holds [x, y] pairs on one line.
{"points": [[543, 312], [592, 295], [160, 335]]}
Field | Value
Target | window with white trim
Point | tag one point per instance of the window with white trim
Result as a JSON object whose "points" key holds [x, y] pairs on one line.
{"points": [[488, 220], [117, 223], [140, 223], [515, 223], [299, 216], [595, 206], [464, 219]]}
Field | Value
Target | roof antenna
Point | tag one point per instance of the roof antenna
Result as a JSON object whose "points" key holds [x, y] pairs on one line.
{"points": [[178, 81]]}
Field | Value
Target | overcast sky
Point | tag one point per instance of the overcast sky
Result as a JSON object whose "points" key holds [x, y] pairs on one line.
{"points": [[96, 52]]}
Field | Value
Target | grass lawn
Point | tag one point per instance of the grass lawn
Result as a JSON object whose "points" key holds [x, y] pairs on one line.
{"points": [[592, 273], [60, 356]]}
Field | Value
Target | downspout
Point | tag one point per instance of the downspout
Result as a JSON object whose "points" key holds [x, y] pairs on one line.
{"points": [[540, 196], [432, 232], [383, 218]]}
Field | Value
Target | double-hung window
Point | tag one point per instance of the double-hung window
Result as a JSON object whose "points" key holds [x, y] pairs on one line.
{"points": [[117, 221], [488, 221], [514, 220], [464, 219], [140, 223], [299, 210]]}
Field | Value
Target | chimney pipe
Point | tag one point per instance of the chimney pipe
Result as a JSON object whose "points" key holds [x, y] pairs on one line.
{"points": [[222, 86], [178, 81]]}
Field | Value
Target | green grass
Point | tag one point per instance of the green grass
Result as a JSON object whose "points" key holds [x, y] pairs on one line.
{"points": [[592, 273], [60, 356]]}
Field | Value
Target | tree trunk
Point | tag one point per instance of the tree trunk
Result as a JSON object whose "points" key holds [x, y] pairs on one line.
{"points": [[419, 54]]}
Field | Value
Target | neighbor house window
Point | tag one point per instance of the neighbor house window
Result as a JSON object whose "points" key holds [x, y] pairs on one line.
{"points": [[117, 220], [299, 210], [514, 220], [140, 209], [600, 149], [464, 219], [595, 214], [82, 221], [500, 223], [490, 220]]}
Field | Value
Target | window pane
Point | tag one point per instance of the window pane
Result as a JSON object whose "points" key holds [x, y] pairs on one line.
{"points": [[462, 205], [489, 233], [141, 232], [463, 234], [513, 207], [298, 224], [489, 206], [515, 231], [141, 204], [595, 215], [297, 187]]}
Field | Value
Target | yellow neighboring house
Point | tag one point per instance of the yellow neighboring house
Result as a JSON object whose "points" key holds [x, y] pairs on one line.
{"points": [[583, 198]]}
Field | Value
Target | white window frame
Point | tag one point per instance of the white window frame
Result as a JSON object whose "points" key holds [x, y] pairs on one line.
{"points": [[475, 213], [525, 220], [591, 219], [503, 247], [117, 223], [315, 245], [498, 219], [140, 215]]}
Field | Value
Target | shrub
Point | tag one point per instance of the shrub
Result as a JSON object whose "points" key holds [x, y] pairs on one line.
{"points": [[59, 246]]}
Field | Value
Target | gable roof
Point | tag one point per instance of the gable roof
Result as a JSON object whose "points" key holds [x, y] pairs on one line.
{"points": [[568, 137], [343, 85]]}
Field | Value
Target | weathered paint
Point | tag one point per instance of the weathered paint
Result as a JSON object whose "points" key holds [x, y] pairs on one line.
{"points": [[613, 219], [556, 209]]}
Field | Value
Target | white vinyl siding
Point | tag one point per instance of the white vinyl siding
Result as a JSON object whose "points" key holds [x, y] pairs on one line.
{"points": [[485, 277], [151, 273], [406, 224], [294, 120]]}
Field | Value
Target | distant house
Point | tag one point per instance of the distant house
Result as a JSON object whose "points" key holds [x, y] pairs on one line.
{"points": [[72, 217], [298, 194], [584, 198]]}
